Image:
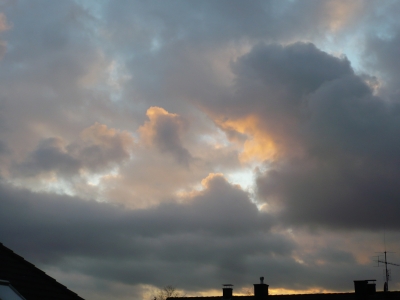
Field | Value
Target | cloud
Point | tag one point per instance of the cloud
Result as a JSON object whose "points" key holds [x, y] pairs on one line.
{"points": [[164, 130], [271, 86], [381, 53], [51, 51], [103, 146], [3, 148], [336, 142], [152, 177], [50, 155], [215, 235], [296, 100], [182, 52], [217, 227], [99, 148], [338, 14], [4, 26]]}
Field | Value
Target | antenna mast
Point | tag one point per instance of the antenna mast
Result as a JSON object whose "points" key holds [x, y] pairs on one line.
{"points": [[387, 273]]}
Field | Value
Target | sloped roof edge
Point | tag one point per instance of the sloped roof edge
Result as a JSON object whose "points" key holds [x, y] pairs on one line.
{"points": [[31, 282]]}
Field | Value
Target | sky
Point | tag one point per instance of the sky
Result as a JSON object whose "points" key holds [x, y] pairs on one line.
{"points": [[199, 143]]}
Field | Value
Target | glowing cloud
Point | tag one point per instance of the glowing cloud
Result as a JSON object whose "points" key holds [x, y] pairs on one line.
{"points": [[341, 13], [258, 145], [164, 131]]}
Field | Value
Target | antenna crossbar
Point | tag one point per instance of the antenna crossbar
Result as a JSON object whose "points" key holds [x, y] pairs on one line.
{"points": [[381, 261]]}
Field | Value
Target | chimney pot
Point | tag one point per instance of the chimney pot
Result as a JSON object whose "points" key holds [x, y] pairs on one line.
{"points": [[227, 291], [261, 289], [363, 288]]}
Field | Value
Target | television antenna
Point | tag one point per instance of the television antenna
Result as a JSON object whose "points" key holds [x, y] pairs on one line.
{"points": [[387, 272]]}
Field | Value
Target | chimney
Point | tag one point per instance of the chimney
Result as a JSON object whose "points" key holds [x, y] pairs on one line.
{"points": [[363, 288], [227, 291], [261, 289]]}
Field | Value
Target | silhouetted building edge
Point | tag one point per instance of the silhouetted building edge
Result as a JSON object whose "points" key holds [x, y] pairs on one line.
{"points": [[29, 281], [363, 290]]}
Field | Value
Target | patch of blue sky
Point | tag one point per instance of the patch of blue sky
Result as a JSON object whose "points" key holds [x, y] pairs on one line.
{"points": [[218, 138], [155, 45], [113, 81], [50, 184], [95, 7], [340, 47], [55, 185], [247, 177], [95, 179], [60, 187], [117, 76], [244, 178]]}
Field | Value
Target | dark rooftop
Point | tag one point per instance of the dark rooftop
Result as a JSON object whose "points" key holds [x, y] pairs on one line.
{"points": [[330, 296], [31, 282]]}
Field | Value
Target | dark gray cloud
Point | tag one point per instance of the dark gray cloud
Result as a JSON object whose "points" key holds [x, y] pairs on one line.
{"points": [[212, 212], [3, 148], [50, 73], [99, 148], [381, 53], [210, 22], [215, 236], [171, 48], [164, 131], [340, 141], [274, 79], [298, 68], [50, 156], [218, 227]]}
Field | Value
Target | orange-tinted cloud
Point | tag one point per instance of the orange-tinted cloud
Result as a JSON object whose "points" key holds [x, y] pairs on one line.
{"points": [[341, 12], [4, 26], [258, 145], [100, 134], [164, 130]]}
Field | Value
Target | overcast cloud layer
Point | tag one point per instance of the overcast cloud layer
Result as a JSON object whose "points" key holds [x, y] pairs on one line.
{"points": [[196, 143]]}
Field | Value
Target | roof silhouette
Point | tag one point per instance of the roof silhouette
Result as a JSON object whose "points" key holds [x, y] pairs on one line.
{"points": [[330, 296], [31, 282]]}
